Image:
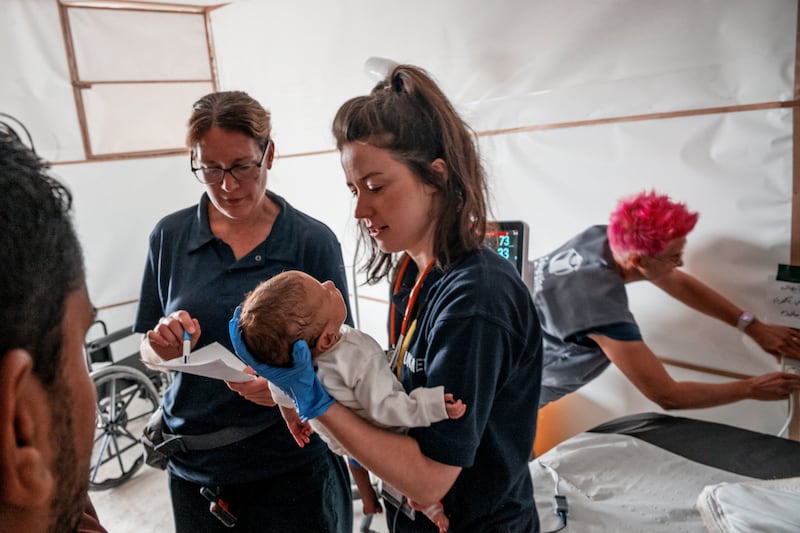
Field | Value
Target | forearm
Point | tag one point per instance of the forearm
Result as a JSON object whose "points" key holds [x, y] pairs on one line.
{"points": [[645, 371], [695, 395], [289, 414], [361, 477], [394, 458], [773, 339], [699, 296]]}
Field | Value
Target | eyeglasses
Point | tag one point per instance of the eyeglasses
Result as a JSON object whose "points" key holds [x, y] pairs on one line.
{"points": [[214, 175]]}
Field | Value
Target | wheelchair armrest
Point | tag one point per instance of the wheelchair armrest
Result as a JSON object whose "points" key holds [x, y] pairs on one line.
{"points": [[106, 340]]}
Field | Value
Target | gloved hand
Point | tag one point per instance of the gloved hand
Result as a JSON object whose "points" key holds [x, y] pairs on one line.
{"points": [[299, 381]]}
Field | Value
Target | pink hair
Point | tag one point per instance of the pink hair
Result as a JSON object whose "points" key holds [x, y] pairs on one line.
{"points": [[647, 223]]}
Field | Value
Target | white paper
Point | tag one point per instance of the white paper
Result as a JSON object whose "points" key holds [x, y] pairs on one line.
{"points": [[212, 361], [783, 303]]}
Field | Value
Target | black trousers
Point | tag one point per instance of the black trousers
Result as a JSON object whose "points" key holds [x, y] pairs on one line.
{"points": [[315, 498]]}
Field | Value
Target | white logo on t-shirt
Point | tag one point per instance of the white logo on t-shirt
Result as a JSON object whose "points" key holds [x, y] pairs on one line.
{"points": [[565, 262], [412, 363]]}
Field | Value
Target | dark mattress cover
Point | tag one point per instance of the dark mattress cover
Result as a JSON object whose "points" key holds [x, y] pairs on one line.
{"points": [[736, 450]]}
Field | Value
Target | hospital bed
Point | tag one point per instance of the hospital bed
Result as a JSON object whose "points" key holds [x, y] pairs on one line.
{"points": [[655, 472]]}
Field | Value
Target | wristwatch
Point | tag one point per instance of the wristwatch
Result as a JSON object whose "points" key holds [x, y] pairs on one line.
{"points": [[745, 319]]}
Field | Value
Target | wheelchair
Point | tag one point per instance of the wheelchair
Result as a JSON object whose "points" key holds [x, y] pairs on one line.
{"points": [[127, 394]]}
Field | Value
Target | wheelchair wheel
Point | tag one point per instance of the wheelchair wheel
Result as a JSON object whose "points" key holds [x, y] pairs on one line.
{"points": [[126, 398]]}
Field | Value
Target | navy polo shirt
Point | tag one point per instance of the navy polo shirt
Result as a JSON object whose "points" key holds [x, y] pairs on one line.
{"points": [[189, 268], [479, 336]]}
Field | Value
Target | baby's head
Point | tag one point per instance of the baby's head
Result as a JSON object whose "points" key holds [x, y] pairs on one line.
{"points": [[289, 307]]}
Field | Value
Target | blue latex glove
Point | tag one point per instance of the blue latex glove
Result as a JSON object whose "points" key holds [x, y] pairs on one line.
{"points": [[299, 381]]}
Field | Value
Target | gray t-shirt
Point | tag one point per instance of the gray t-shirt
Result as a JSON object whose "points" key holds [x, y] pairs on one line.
{"points": [[577, 289]]}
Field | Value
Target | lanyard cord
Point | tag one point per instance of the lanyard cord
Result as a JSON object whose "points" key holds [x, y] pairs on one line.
{"points": [[397, 283], [409, 324], [412, 298]]}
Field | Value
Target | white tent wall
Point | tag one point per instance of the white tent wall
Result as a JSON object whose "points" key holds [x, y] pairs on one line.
{"points": [[527, 75]]}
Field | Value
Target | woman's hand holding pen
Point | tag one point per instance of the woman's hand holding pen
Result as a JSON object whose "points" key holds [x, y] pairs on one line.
{"points": [[166, 339]]}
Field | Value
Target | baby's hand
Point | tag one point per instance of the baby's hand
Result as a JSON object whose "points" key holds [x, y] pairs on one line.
{"points": [[301, 431], [454, 408]]}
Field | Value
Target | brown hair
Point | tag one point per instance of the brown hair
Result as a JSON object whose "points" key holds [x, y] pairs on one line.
{"points": [[408, 115], [229, 110], [276, 314]]}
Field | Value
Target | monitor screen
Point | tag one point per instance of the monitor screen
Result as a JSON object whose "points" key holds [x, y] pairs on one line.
{"points": [[510, 240]]}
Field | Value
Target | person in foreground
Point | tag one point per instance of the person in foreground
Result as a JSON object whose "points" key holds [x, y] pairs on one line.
{"points": [[201, 263], [579, 292], [461, 316], [47, 399], [350, 365]]}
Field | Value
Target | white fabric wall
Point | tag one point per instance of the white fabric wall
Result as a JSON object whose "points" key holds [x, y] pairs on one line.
{"points": [[505, 65]]}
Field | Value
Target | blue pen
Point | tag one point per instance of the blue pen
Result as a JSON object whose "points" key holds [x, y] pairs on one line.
{"points": [[187, 346]]}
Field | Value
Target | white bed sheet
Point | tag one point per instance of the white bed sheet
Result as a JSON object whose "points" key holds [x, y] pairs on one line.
{"points": [[770, 506], [617, 483]]}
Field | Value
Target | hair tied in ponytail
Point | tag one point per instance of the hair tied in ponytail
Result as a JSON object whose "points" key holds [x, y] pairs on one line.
{"points": [[397, 82]]}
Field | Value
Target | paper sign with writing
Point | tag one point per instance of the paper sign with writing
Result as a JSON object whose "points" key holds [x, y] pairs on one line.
{"points": [[783, 297]]}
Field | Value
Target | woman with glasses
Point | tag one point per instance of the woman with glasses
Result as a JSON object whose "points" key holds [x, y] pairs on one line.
{"points": [[201, 263], [579, 292]]}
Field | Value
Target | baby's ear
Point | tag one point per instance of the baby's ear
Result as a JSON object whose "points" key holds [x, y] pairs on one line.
{"points": [[326, 341]]}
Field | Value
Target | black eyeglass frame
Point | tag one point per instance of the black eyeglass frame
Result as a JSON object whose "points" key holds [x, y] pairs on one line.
{"points": [[197, 171]]}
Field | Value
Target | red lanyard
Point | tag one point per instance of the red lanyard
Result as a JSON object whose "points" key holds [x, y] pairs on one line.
{"points": [[401, 272], [412, 299], [400, 344]]}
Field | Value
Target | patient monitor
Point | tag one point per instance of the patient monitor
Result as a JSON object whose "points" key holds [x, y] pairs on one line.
{"points": [[509, 238]]}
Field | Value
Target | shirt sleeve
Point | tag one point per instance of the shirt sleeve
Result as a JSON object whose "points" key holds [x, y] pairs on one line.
{"points": [[387, 403], [280, 397], [469, 357], [620, 331], [150, 309]]}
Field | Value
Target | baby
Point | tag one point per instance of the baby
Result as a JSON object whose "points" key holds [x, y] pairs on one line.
{"points": [[350, 365]]}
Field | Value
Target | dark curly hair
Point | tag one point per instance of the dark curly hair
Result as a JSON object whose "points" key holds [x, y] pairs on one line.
{"points": [[43, 262]]}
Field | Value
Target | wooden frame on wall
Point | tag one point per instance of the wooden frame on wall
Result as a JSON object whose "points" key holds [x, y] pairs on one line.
{"points": [[794, 238], [109, 92]]}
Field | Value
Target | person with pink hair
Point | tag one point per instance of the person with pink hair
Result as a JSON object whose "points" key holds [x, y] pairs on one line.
{"points": [[579, 293]]}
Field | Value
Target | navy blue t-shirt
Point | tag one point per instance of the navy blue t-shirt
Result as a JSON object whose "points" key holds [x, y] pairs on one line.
{"points": [[479, 336], [189, 268]]}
